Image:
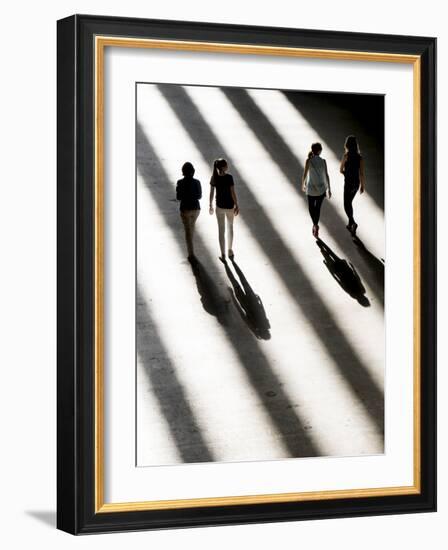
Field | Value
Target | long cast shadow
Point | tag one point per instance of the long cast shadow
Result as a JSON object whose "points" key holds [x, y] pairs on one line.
{"points": [[344, 273], [170, 395], [287, 162], [375, 265], [212, 300], [359, 114], [258, 371], [369, 395], [248, 303]]}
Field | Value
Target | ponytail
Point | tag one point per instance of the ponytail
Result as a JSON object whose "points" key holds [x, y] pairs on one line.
{"points": [[316, 149], [215, 171], [218, 164]]}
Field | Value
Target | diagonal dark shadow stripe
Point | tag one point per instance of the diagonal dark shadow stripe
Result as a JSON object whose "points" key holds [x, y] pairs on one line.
{"points": [[170, 395], [286, 160], [375, 264], [290, 428], [349, 364], [358, 114]]}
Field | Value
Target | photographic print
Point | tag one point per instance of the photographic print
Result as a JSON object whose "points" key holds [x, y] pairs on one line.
{"points": [[260, 236]]}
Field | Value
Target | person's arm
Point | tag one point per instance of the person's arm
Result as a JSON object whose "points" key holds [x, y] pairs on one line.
{"points": [[362, 176], [305, 173], [212, 194], [328, 180], [178, 191], [236, 208], [199, 190], [343, 161]]}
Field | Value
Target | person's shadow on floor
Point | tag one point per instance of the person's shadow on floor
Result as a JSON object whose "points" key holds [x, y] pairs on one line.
{"points": [[248, 304], [375, 265], [344, 273], [212, 300]]}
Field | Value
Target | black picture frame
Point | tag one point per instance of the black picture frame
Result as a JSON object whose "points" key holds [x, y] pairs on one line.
{"points": [[76, 510]]}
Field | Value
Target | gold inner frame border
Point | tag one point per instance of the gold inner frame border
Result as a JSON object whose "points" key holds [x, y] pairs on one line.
{"points": [[100, 43]]}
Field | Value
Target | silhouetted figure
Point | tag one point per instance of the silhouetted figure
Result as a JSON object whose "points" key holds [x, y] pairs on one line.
{"points": [[189, 192], [212, 300], [248, 304], [316, 184], [344, 273], [352, 166], [226, 204], [376, 265]]}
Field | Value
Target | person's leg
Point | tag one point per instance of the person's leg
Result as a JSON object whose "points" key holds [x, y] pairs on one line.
{"points": [[186, 220], [312, 208], [319, 201], [220, 216], [230, 215], [349, 195], [193, 215]]}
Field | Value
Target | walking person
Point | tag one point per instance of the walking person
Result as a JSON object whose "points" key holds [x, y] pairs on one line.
{"points": [[316, 184], [352, 166], [226, 204], [189, 192]]}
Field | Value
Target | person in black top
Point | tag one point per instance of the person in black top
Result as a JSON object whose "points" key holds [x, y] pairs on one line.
{"points": [[188, 192], [352, 166], [226, 204]]}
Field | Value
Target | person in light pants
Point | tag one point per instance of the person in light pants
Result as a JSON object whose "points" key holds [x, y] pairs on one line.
{"points": [[189, 192], [226, 205]]}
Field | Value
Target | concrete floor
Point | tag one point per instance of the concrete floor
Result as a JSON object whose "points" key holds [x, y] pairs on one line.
{"points": [[275, 355]]}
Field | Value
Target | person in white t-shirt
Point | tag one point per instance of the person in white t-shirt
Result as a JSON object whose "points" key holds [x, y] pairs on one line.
{"points": [[316, 184]]}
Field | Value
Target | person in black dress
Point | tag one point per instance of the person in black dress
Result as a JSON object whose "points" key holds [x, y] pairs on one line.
{"points": [[352, 166], [226, 204], [189, 192]]}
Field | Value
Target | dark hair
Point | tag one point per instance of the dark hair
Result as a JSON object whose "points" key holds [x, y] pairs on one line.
{"points": [[316, 148], [219, 164], [188, 169], [351, 145]]}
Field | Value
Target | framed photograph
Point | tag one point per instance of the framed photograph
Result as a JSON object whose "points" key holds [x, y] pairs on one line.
{"points": [[246, 274]]}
